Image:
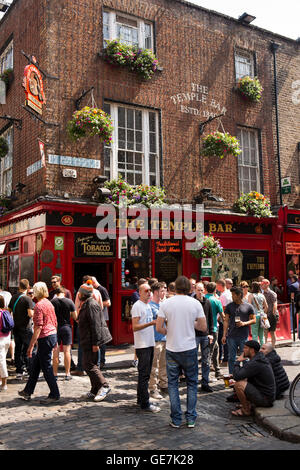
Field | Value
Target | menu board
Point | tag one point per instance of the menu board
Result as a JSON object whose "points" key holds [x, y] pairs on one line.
{"points": [[168, 260]]}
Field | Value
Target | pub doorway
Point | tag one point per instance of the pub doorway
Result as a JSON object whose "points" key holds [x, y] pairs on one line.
{"points": [[103, 272]]}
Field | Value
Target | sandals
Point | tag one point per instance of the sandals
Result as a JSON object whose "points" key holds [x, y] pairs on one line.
{"points": [[240, 413]]}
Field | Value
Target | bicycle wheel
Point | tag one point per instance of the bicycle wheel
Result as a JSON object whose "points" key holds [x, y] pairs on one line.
{"points": [[294, 394]]}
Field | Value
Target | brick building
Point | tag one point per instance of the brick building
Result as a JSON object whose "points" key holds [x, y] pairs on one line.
{"points": [[156, 137]]}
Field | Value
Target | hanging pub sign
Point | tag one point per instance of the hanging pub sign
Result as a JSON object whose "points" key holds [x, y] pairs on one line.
{"points": [[92, 246], [34, 88]]}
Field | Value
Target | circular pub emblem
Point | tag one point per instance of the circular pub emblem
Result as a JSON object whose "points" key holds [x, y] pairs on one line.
{"points": [[258, 229], [67, 220]]}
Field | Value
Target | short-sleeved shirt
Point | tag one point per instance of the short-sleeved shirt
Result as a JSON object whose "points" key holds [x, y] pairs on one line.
{"points": [[44, 317], [155, 309], [20, 312], [217, 308], [180, 313], [243, 311], [105, 296], [271, 298], [63, 308], [143, 338]]}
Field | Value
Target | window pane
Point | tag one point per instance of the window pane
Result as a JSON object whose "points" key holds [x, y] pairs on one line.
{"points": [[138, 120], [152, 143], [130, 119], [122, 139], [148, 36], [152, 121], [152, 164], [121, 117], [130, 140]]}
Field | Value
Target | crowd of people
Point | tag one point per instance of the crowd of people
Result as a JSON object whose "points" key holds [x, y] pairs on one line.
{"points": [[172, 325]]}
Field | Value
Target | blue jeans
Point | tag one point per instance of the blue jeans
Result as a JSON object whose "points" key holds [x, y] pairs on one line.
{"points": [[43, 361], [188, 362], [205, 350], [234, 344]]}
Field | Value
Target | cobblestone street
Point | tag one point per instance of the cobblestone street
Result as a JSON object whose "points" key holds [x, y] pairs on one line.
{"points": [[117, 422]]}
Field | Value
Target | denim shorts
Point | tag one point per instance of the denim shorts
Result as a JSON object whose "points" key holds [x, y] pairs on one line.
{"points": [[64, 335]]}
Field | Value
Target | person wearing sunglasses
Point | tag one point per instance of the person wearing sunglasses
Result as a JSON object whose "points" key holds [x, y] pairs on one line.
{"points": [[55, 284]]}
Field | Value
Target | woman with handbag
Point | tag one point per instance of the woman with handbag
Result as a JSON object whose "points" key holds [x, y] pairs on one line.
{"points": [[259, 303]]}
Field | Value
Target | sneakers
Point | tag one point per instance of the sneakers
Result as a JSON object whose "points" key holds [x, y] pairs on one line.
{"points": [[103, 392], [21, 376], [135, 363], [156, 395], [173, 425], [24, 395], [89, 396], [68, 377], [152, 408], [3, 388], [190, 424], [49, 401]]}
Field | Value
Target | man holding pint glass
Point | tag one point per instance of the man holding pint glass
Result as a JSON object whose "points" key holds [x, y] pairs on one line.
{"points": [[238, 317]]}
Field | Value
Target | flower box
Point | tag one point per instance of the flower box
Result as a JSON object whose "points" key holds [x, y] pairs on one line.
{"points": [[141, 61], [149, 196], [250, 88], [254, 204]]}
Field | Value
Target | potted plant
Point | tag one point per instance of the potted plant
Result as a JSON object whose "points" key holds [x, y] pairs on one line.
{"points": [[141, 61], [3, 147], [254, 204], [5, 204], [221, 144], [250, 88], [7, 77], [211, 247], [89, 122], [149, 196]]}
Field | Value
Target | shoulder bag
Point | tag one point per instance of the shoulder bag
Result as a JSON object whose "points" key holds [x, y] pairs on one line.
{"points": [[264, 322]]}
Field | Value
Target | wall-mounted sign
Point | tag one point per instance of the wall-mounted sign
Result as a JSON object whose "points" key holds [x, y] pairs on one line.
{"points": [[34, 88], [286, 186], [73, 161], [32, 223], [59, 243], [168, 246], [292, 248], [206, 267], [91, 245], [67, 220]]}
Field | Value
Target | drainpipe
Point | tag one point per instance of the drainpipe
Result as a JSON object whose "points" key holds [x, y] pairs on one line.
{"points": [[274, 47]]}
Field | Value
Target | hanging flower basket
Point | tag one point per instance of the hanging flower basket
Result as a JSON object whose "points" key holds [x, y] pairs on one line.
{"points": [[7, 77], [3, 147], [250, 88], [211, 248], [89, 122], [149, 196], [221, 144], [141, 61], [254, 204]]}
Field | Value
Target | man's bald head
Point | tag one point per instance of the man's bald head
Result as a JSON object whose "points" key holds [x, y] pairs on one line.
{"points": [[266, 348]]}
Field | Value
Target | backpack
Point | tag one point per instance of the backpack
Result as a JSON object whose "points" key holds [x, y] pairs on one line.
{"points": [[7, 322]]}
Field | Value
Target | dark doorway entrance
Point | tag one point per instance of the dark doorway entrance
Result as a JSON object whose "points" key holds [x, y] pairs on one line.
{"points": [[101, 271]]}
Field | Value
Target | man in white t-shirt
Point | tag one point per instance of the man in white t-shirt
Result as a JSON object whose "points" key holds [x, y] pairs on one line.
{"points": [[182, 315], [144, 342]]}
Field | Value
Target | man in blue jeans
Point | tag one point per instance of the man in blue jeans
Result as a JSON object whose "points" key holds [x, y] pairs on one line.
{"points": [[238, 317], [182, 315]]}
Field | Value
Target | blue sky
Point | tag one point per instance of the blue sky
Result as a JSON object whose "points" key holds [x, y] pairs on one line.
{"points": [[281, 17]]}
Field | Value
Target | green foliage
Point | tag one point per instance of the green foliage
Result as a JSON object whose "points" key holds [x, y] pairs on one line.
{"points": [[141, 61], [221, 144], [250, 88], [7, 76], [149, 196], [211, 247], [89, 122], [254, 204]]}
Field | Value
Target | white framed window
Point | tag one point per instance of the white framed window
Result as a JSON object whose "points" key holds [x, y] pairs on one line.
{"points": [[6, 165], [244, 64], [134, 152], [248, 161], [127, 29], [7, 58]]}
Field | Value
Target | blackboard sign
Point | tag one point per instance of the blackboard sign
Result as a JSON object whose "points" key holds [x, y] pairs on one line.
{"points": [[91, 246], [168, 254]]}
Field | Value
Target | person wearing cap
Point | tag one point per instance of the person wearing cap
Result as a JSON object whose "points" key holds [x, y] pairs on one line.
{"points": [[254, 380], [93, 333]]}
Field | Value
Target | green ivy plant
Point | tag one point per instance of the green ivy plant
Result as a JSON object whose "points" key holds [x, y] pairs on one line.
{"points": [[141, 61], [89, 122], [221, 144], [149, 196], [250, 88], [253, 204]]}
